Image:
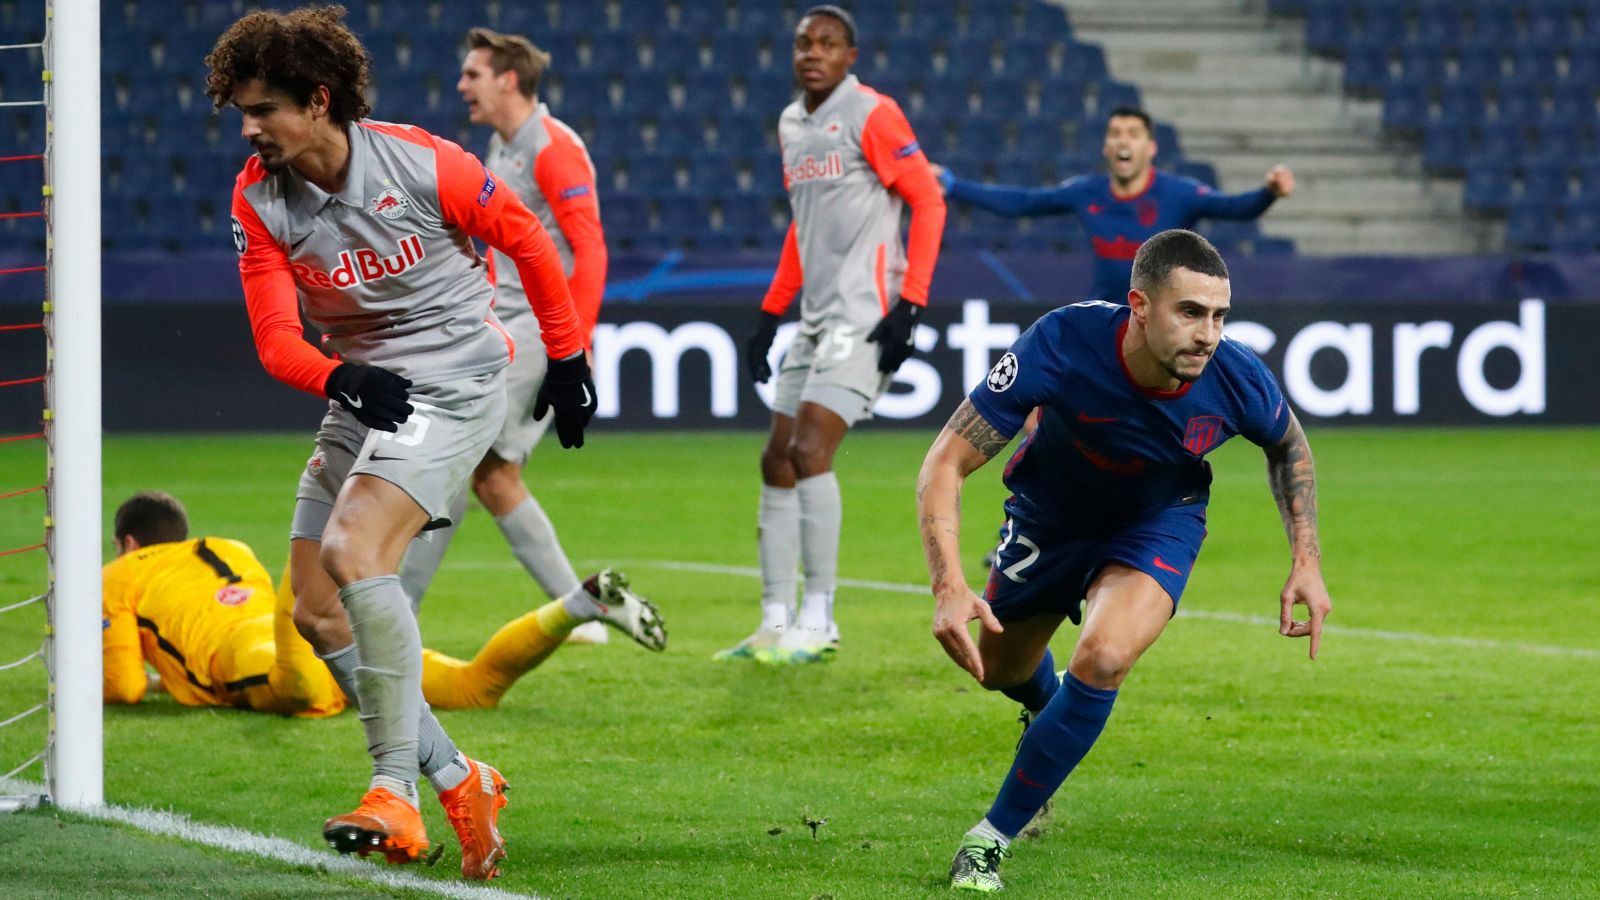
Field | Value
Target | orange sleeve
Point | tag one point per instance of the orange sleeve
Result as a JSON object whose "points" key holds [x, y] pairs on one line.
{"points": [[273, 302], [470, 197], [123, 678], [789, 278], [567, 182], [893, 152]]}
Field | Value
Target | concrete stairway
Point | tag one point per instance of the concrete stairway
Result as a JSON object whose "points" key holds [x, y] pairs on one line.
{"points": [[1245, 96]]}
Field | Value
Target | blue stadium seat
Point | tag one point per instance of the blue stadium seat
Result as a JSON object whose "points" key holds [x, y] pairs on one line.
{"points": [[1272, 246], [1328, 26], [1445, 146], [1405, 107], [769, 94], [645, 93], [1488, 188], [622, 212], [745, 133], [1202, 172], [1114, 94], [1167, 140], [1461, 101], [1479, 62], [1519, 103], [734, 52], [1366, 66], [682, 219], [1529, 226], [1083, 63], [676, 55], [1578, 230], [1441, 23], [1548, 184], [1495, 22]]}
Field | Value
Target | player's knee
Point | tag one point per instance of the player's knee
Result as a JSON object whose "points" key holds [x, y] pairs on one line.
{"points": [[1102, 662], [497, 483], [775, 467], [810, 457], [345, 559]]}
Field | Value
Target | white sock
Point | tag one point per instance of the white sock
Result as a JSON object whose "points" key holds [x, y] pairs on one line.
{"points": [[776, 615], [989, 833], [816, 611], [821, 513], [426, 552], [533, 542], [405, 790], [778, 539], [580, 605], [450, 774], [389, 679]]}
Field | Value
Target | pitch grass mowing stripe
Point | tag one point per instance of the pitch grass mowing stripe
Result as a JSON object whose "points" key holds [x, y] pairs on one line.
{"points": [[237, 840], [1184, 612]]}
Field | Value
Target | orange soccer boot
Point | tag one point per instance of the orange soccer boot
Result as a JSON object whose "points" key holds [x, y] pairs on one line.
{"points": [[383, 822], [473, 807]]}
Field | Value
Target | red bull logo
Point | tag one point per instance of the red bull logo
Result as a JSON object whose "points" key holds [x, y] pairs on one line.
{"points": [[809, 168], [391, 204], [362, 266]]}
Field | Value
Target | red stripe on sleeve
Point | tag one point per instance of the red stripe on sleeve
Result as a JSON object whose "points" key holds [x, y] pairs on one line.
{"points": [[893, 152], [566, 179], [789, 278]]}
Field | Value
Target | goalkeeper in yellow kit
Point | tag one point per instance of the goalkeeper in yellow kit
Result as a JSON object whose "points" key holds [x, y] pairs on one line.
{"points": [[203, 612]]}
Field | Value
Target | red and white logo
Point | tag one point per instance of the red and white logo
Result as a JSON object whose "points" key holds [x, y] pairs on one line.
{"points": [[1203, 433], [363, 266], [391, 204], [316, 464], [233, 595], [809, 168]]}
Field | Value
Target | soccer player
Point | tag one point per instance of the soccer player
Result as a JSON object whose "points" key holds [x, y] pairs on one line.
{"points": [[546, 165], [1107, 509], [850, 164], [203, 613], [365, 228], [1123, 208]]}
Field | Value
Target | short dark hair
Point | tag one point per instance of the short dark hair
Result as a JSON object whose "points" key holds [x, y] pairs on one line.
{"points": [[294, 52], [1175, 248], [845, 19], [1132, 112], [151, 517], [512, 53]]}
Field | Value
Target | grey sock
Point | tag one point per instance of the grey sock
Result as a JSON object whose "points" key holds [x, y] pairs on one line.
{"points": [[778, 538], [435, 750], [533, 541], [426, 553], [821, 513], [389, 679]]}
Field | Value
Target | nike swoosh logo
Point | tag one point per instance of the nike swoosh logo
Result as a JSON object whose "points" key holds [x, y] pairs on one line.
{"points": [[588, 399], [350, 401], [1160, 564], [376, 458], [1028, 781], [1085, 417]]}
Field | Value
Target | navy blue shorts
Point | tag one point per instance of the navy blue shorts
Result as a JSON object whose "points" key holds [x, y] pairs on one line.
{"points": [[1039, 569]]}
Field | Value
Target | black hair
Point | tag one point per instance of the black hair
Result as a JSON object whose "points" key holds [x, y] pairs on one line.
{"points": [[151, 517], [1132, 112], [1175, 248], [845, 19]]}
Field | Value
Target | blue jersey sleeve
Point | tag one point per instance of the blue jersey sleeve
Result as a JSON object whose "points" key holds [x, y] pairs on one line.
{"points": [[1204, 203], [1263, 414], [1023, 378], [1009, 200]]}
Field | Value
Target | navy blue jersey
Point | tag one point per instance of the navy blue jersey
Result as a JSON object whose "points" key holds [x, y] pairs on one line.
{"points": [[1116, 225], [1107, 451]]}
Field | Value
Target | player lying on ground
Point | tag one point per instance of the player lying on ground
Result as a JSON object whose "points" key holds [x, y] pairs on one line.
{"points": [[851, 165], [202, 612], [1107, 509], [366, 229]]}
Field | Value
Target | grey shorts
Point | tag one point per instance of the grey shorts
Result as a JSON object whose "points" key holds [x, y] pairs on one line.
{"points": [[836, 368], [521, 431], [430, 457]]}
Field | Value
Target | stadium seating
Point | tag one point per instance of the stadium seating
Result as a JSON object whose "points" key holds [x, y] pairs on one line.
{"points": [[678, 101], [1503, 94]]}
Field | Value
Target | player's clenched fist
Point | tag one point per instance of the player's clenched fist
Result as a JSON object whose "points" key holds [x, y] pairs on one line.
{"points": [[376, 396], [568, 390], [757, 345], [893, 335]]}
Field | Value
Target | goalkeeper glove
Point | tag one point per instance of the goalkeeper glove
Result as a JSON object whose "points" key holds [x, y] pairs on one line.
{"points": [[375, 396], [567, 389], [757, 345], [893, 334]]}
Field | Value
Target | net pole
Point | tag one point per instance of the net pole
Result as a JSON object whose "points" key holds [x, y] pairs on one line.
{"points": [[76, 773]]}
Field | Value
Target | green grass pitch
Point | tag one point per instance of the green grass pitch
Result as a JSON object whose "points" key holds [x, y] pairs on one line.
{"points": [[1444, 744]]}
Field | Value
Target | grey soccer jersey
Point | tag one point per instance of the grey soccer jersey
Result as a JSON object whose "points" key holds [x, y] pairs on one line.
{"points": [[385, 269], [839, 165]]}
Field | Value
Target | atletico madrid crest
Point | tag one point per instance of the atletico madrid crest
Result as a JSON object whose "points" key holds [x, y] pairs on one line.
{"points": [[1203, 433]]}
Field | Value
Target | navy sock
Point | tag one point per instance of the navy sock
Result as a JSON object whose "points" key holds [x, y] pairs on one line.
{"points": [[1035, 693], [1052, 746]]}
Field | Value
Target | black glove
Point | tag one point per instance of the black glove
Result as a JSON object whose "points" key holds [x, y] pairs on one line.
{"points": [[375, 396], [893, 334], [569, 390], [757, 345]]}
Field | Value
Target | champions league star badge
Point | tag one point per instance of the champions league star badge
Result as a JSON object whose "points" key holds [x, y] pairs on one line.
{"points": [[1004, 373], [240, 242], [391, 204]]}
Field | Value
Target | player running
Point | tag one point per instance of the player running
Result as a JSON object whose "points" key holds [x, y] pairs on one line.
{"points": [[365, 228], [546, 165], [1122, 209], [1108, 509], [850, 164], [203, 613]]}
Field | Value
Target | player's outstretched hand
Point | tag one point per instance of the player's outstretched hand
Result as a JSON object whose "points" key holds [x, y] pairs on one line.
{"points": [[757, 345], [893, 335], [376, 396], [1280, 181], [1304, 588], [955, 609], [568, 390]]}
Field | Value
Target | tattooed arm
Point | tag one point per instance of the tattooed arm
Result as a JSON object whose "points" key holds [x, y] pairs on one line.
{"points": [[965, 444], [1294, 486]]}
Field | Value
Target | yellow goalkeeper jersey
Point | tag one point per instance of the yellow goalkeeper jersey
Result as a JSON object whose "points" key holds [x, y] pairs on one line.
{"points": [[175, 605]]}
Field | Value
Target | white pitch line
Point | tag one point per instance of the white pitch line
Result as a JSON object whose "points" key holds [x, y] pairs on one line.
{"points": [[237, 840], [1183, 612]]}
